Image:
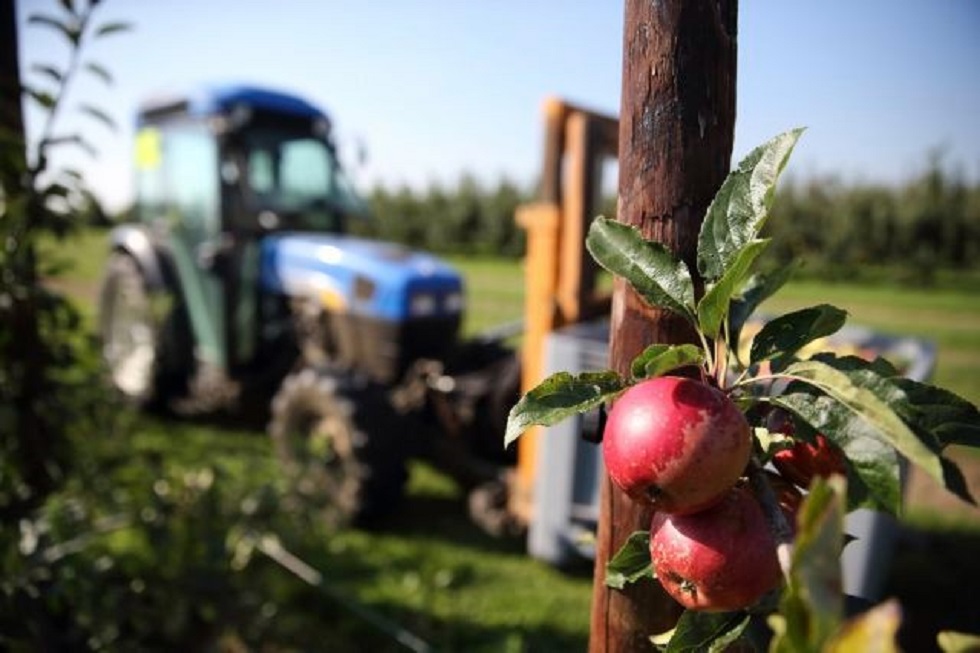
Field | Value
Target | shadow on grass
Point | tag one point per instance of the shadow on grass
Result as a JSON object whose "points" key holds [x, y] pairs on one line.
{"points": [[426, 569], [312, 623], [935, 575]]}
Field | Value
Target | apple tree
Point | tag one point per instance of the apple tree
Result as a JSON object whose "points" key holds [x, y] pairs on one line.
{"points": [[693, 428]]}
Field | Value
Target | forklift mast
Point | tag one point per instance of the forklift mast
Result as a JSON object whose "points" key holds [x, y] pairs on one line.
{"points": [[562, 282]]}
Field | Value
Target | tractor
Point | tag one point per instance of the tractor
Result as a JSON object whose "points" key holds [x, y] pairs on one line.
{"points": [[238, 281]]}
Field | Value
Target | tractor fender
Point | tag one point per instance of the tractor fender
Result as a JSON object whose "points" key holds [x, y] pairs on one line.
{"points": [[135, 241]]}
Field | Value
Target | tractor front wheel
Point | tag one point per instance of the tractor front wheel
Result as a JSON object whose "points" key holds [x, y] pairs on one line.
{"points": [[140, 360], [338, 443]]}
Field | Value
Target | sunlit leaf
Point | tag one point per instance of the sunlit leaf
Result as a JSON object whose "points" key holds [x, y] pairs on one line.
{"points": [[659, 359], [631, 562], [873, 462], [740, 207], [875, 399], [713, 307], [662, 640], [787, 334], [660, 278], [873, 631], [560, 396], [812, 605], [950, 641]]}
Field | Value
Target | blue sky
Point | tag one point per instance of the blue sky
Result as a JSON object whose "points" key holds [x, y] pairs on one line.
{"points": [[434, 88]]}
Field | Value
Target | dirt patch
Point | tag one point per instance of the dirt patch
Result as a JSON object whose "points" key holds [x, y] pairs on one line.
{"points": [[925, 495]]}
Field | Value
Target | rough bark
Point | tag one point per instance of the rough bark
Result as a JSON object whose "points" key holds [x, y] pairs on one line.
{"points": [[675, 140]]}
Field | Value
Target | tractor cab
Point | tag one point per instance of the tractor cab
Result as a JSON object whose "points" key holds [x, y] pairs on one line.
{"points": [[246, 159], [239, 256]]}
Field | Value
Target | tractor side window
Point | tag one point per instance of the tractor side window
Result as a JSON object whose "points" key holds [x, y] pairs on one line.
{"points": [[305, 171], [191, 164], [261, 176]]}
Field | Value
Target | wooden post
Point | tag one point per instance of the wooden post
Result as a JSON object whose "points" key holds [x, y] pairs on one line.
{"points": [[676, 130]]}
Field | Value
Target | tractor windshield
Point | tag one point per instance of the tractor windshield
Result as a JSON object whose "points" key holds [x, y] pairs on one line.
{"points": [[297, 176]]}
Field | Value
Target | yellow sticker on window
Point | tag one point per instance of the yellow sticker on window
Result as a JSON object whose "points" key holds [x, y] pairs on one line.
{"points": [[148, 148]]}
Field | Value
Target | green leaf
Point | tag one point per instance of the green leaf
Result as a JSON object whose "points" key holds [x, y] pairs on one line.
{"points": [[99, 71], [713, 307], [112, 28], [43, 98], [99, 115], [936, 416], [873, 462], [656, 360], [950, 641], [50, 72], [740, 207], [69, 30], [787, 334], [660, 278], [812, 605], [756, 290], [872, 398], [949, 418], [707, 632], [631, 562], [874, 630], [560, 396]]}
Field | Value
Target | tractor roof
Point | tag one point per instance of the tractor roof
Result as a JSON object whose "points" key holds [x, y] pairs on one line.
{"points": [[213, 100]]}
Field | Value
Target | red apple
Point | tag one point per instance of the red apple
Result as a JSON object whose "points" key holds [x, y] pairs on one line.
{"points": [[720, 559], [675, 444], [801, 462]]}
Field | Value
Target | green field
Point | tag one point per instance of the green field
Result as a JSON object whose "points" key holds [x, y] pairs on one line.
{"points": [[429, 570], [947, 316]]}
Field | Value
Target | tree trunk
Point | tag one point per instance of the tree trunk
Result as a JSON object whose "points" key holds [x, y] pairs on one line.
{"points": [[23, 354], [11, 114], [676, 130]]}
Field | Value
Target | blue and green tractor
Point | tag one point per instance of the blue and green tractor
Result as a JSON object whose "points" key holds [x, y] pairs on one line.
{"points": [[238, 286]]}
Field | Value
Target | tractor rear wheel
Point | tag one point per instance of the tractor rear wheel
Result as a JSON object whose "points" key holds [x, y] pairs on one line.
{"points": [[140, 364], [338, 444]]}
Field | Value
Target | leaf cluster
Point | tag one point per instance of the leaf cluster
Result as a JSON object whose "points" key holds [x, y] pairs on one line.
{"points": [[865, 407], [46, 367]]}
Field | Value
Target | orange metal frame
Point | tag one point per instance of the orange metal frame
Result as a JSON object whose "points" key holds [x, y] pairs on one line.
{"points": [[560, 277]]}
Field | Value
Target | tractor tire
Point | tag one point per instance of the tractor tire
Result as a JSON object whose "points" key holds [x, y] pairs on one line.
{"points": [[140, 353], [490, 422], [340, 446]]}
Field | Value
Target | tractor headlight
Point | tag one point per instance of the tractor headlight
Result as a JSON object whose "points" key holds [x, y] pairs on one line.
{"points": [[453, 303], [422, 304]]}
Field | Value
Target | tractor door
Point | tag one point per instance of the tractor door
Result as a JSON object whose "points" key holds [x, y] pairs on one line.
{"points": [[279, 172], [179, 189]]}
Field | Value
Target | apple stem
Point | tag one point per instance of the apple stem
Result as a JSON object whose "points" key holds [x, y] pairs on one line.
{"points": [[721, 369], [781, 532]]}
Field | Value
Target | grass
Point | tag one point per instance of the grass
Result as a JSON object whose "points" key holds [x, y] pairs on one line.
{"points": [[948, 316], [430, 570]]}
